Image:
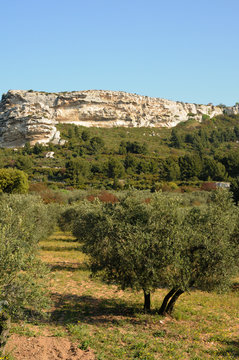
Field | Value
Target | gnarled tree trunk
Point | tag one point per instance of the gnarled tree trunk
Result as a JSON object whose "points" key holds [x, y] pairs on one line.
{"points": [[169, 301], [146, 301], [173, 300], [162, 310]]}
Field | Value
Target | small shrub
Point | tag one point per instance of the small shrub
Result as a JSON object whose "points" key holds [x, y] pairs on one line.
{"points": [[205, 117], [104, 197], [84, 345], [209, 186], [48, 195], [107, 197]]}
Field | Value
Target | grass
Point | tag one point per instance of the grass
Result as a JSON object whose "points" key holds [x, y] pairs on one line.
{"points": [[111, 321]]}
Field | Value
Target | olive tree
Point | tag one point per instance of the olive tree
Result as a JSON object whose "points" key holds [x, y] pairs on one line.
{"points": [[157, 243], [207, 253], [130, 242]]}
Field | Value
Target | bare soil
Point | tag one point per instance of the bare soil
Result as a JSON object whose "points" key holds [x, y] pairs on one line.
{"points": [[46, 348]]}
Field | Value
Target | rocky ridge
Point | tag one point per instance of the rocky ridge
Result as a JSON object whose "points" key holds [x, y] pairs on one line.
{"points": [[32, 116]]}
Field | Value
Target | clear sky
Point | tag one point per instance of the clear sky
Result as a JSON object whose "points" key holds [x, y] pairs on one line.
{"points": [[186, 50]]}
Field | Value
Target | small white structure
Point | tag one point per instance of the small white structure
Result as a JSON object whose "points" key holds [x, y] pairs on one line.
{"points": [[50, 154], [223, 185]]}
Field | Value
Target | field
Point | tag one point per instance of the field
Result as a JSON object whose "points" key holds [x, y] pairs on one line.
{"points": [[107, 323]]}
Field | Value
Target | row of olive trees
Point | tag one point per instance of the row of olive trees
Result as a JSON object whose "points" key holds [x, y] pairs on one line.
{"points": [[24, 221], [145, 245]]}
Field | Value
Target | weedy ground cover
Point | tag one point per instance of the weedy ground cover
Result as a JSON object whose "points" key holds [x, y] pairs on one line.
{"points": [[112, 323]]}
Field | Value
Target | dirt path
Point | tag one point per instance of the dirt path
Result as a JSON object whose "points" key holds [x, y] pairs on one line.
{"points": [[46, 348]]}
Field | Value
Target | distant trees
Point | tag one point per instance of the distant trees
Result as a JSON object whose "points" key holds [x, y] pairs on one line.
{"points": [[130, 163], [176, 139], [115, 168], [38, 149], [212, 169], [27, 149], [231, 163], [85, 135], [82, 142], [96, 145], [24, 163], [191, 151], [76, 171], [234, 188], [169, 169], [190, 166], [132, 147]]}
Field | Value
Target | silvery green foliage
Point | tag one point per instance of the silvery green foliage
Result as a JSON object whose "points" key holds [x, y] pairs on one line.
{"points": [[3, 305], [67, 217], [208, 256], [147, 244], [24, 221], [130, 241]]}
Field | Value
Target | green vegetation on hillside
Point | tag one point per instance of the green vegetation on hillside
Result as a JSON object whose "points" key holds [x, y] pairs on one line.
{"points": [[144, 158]]}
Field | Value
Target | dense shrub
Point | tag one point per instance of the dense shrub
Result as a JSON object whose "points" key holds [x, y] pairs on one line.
{"points": [[209, 186], [48, 195], [76, 171], [104, 196], [13, 181]]}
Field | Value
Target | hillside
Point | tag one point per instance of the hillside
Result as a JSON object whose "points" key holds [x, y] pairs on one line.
{"points": [[32, 116], [142, 157]]}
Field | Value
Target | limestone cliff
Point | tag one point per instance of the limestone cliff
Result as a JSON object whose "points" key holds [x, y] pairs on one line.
{"points": [[32, 116]]}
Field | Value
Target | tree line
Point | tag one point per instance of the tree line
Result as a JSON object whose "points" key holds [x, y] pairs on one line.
{"points": [[189, 152]]}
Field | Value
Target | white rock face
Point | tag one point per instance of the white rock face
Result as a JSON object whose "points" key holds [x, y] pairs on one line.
{"points": [[30, 116]]}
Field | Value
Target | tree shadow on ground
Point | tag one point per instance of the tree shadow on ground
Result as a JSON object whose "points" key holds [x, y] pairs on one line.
{"points": [[232, 348], [66, 240], [60, 248], [235, 286], [88, 309], [67, 266]]}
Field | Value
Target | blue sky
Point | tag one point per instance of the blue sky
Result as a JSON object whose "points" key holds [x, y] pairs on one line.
{"points": [[176, 49]]}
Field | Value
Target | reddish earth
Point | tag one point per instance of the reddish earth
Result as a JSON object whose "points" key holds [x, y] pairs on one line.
{"points": [[46, 348]]}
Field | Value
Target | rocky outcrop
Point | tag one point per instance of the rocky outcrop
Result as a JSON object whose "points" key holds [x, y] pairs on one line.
{"points": [[31, 116]]}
